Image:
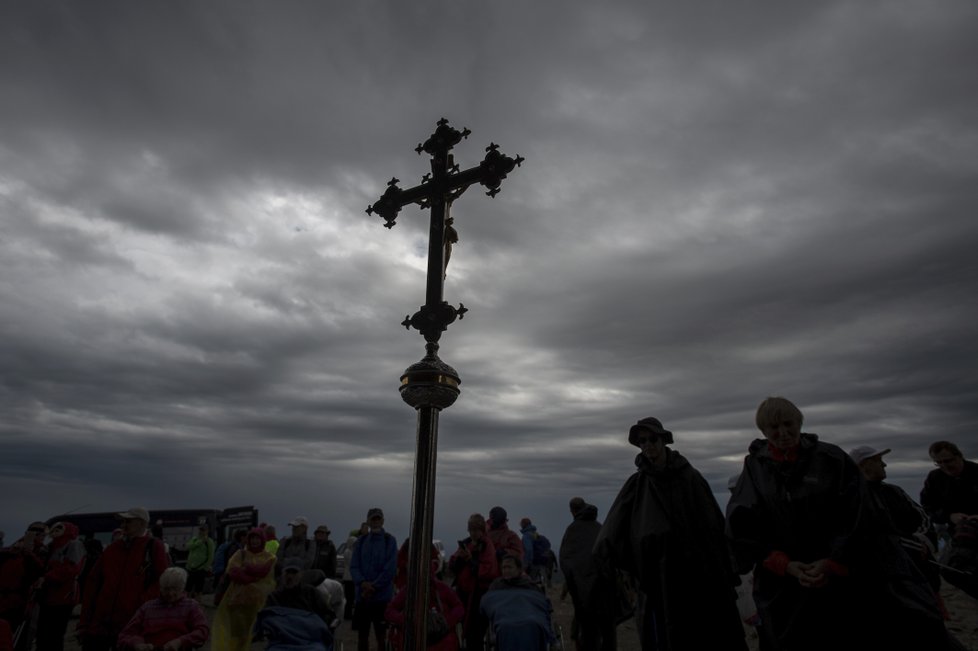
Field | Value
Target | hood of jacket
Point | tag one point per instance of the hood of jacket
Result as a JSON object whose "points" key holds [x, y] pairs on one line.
{"points": [[589, 513], [71, 533]]}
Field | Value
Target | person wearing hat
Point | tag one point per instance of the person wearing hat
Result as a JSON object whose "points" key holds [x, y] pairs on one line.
{"points": [[294, 593], [902, 514], [666, 529], [297, 546], [898, 568], [125, 577], [373, 566], [325, 557]]}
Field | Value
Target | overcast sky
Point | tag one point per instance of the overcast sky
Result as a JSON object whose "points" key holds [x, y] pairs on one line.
{"points": [[720, 202]]}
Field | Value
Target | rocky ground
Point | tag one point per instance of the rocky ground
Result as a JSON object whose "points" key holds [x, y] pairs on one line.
{"points": [[962, 608]]}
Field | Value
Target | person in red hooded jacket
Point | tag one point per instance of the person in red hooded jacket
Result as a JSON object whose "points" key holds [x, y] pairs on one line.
{"points": [[57, 590], [442, 599], [475, 567], [401, 577], [125, 577], [21, 565]]}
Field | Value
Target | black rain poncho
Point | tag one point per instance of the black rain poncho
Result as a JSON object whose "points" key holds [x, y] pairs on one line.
{"points": [[666, 529], [816, 507]]}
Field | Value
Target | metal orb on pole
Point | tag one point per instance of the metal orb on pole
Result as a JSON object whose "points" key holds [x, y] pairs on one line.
{"points": [[430, 385]]}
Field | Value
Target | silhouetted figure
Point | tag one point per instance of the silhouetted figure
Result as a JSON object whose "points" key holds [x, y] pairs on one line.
{"points": [[950, 497], [666, 529], [592, 591]]}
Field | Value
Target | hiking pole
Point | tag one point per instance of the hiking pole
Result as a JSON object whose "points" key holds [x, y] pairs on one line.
{"points": [[953, 569]]}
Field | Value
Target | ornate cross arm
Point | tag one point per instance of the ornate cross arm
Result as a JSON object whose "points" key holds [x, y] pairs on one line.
{"points": [[432, 321], [489, 173]]}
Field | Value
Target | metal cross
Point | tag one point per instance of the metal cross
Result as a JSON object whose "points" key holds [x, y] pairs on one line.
{"points": [[437, 191], [431, 385]]}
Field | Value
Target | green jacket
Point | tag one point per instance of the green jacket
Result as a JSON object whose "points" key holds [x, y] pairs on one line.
{"points": [[200, 554]]}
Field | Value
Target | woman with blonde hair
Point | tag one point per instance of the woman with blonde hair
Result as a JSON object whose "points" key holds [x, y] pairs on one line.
{"points": [[252, 579]]}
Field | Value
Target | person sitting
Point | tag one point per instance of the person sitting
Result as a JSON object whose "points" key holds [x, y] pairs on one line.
{"points": [[445, 613], [331, 590], [296, 614], [518, 610], [171, 622], [301, 596]]}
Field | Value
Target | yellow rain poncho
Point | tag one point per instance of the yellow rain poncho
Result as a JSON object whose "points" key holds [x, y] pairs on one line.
{"points": [[252, 580]]}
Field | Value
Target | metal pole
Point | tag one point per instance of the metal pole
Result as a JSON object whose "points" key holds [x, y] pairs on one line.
{"points": [[422, 522]]}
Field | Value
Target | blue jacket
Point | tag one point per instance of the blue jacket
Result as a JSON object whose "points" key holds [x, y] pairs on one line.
{"points": [[528, 532], [291, 629], [375, 560]]}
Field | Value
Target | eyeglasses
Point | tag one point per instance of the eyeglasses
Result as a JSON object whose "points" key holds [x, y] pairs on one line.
{"points": [[945, 462], [642, 440]]}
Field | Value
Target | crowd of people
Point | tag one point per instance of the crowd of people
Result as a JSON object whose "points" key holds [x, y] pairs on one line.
{"points": [[836, 557]]}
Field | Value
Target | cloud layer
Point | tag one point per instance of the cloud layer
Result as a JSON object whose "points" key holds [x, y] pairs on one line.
{"points": [[719, 203]]}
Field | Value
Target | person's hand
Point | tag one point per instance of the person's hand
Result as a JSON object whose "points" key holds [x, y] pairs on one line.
{"points": [[819, 573], [144, 647], [956, 518], [801, 572], [172, 645]]}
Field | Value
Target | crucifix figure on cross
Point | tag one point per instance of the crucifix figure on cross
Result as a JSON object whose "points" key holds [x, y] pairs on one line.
{"points": [[431, 385]]}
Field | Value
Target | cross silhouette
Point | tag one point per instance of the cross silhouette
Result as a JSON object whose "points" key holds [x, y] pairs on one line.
{"points": [[431, 385], [437, 190]]}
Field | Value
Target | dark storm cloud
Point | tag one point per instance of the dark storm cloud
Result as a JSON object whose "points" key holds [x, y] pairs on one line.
{"points": [[718, 204]]}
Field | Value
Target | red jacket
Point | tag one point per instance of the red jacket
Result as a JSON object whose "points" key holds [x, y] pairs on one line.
{"points": [[444, 600], [157, 622], [65, 563], [507, 542], [126, 576], [401, 578], [19, 569], [476, 574]]}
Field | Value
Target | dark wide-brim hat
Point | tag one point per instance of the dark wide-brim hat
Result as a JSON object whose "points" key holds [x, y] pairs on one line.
{"points": [[649, 425]]}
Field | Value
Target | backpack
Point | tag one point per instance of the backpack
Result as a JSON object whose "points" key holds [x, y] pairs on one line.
{"points": [[540, 547], [148, 568]]}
